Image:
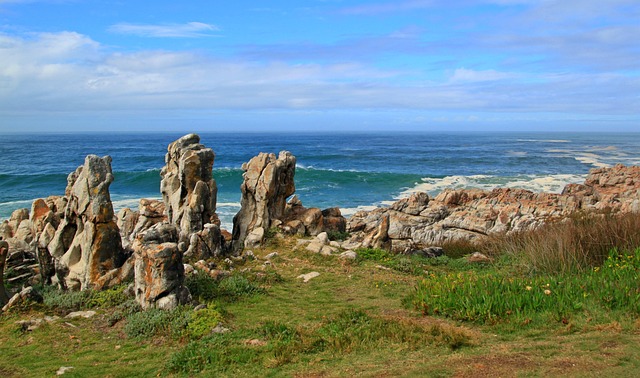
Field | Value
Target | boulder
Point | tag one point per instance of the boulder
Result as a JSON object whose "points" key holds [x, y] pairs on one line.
{"points": [[159, 274], [206, 243], [267, 183]]}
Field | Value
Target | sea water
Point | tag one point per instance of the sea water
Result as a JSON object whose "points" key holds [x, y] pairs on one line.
{"points": [[351, 171]]}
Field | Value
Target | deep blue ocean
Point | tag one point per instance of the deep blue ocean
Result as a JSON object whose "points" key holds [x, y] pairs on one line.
{"points": [[351, 171]]}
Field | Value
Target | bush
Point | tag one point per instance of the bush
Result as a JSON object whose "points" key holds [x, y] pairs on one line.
{"points": [[201, 322], [155, 321], [338, 235], [230, 289], [66, 301]]}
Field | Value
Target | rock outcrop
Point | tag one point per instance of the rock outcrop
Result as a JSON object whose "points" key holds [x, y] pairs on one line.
{"points": [[268, 182], [299, 220], [159, 272], [188, 189], [86, 244], [419, 222]]}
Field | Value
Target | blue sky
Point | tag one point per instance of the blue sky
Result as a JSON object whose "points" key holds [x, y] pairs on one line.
{"points": [[333, 65]]}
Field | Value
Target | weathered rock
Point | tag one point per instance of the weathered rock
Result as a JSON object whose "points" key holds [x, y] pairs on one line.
{"points": [[417, 223], [268, 182], [188, 189], [206, 243], [87, 243], [26, 294], [126, 220], [4, 251], [349, 255], [159, 275]]}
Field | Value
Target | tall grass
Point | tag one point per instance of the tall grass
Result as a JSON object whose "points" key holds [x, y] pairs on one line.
{"points": [[577, 243]]}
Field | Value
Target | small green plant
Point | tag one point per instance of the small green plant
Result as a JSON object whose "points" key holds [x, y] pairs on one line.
{"points": [[108, 298], [201, 322], [338, 235], [374, 254]]}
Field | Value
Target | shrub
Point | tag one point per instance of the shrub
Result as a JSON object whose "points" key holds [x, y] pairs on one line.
{"points": [[230, 289], [202, 286], [201, 322], [577, 243], [66, 301], [338, 235], [156, 321]]}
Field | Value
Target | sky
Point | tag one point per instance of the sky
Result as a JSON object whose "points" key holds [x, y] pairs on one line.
{"points": [[319, 65]]}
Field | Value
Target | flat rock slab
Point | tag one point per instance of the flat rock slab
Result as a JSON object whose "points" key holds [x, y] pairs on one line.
{"points": [[80, 314], [307, 277]]}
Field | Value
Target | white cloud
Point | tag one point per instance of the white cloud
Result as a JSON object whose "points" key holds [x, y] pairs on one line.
{"points": [[69, 72], [188, 30]]}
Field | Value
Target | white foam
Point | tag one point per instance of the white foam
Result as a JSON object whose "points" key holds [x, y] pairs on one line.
{"points": [[535, 183], [228, 204], [349, 211]]}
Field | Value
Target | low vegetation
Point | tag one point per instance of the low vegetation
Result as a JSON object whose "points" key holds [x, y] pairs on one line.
{"points": [[527, 312]]}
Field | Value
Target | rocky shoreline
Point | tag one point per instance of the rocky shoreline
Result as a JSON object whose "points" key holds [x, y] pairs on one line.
{"points": [[76, 242]]}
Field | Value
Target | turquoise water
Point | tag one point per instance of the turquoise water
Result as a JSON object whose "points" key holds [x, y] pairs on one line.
{"points": [[350, 171]]}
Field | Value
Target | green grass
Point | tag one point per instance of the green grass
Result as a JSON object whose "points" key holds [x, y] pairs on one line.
{"points": [[352, 320], [494, 296]]}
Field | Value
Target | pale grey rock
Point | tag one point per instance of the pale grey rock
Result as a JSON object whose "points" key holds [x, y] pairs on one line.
{"points": [[254, 238], [272, 255], [349, 255], [64, 369], [81, 314], [267, 183], [323, 238], [308, 276]]}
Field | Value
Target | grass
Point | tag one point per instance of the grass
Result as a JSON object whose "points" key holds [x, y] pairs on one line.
{"points": [[492, 296], [372, 317], [577, 243]]}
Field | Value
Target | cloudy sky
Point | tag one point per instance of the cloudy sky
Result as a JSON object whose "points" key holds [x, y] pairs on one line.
{"points": [[69, 65]]}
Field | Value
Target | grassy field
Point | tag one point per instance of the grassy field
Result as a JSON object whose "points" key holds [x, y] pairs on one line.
{"points": [[382, 315]]}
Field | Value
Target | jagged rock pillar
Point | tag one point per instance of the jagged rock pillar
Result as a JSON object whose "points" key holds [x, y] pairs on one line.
{"points": [[188, 188], [87, 243], [268, 181]]}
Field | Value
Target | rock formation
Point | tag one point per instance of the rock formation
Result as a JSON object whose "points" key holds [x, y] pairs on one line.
{"points": [[419, 222], [86, 244], [268, 182], [299, 220], [159, 272], [188, 189], [4, 251]]}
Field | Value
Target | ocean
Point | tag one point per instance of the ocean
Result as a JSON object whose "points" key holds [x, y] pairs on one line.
{"points": [[351, 171]]}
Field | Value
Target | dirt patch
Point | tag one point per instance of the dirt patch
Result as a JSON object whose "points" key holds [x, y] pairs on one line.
{"points": [[495, 366]]}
